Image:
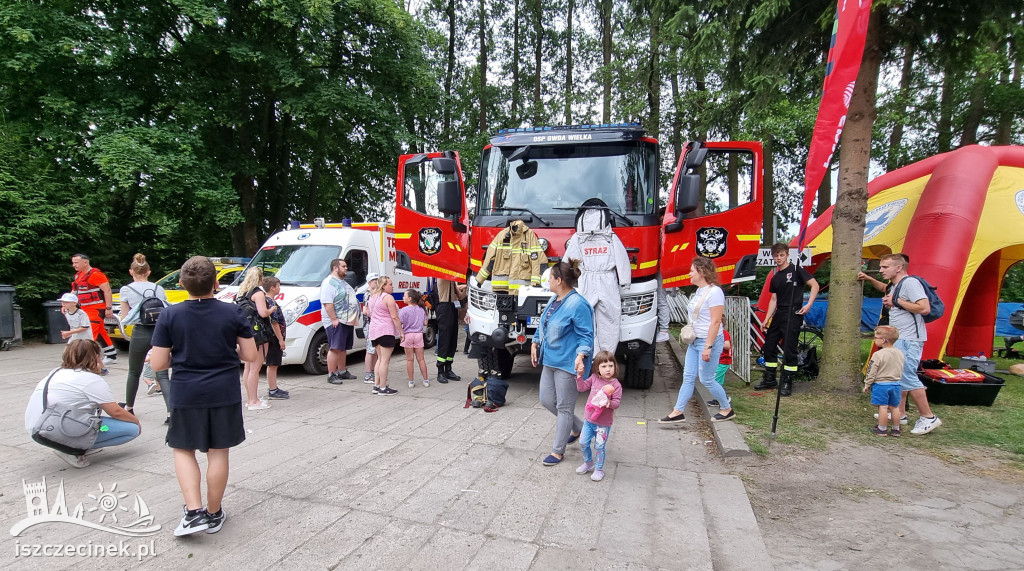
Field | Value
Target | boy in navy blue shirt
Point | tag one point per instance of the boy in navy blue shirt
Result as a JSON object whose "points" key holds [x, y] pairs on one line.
{"points": [[202, 339]]}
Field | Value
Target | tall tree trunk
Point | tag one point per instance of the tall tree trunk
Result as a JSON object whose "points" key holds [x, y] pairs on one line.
{"points": [[654, 72], [1004, 129], [606, 58], [677, 117], [841, 364], [825, 192], [450, 71], [514, 119], [538, 55], [768, 201], [316, 167], [976, 106], [892, 159], [568, 61], [945, 123], [483, 66]]}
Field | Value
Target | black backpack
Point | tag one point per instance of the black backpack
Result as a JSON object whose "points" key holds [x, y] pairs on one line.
{"points": [[261, 327], [150, 307], [937, 307]]}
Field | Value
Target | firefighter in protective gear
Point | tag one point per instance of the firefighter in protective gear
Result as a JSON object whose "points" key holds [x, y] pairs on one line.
{"points": [[604, 266], [96, 299], [517, 257]]}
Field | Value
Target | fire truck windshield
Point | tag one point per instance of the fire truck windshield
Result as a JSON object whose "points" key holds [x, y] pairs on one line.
{"points": [[551, 179]]}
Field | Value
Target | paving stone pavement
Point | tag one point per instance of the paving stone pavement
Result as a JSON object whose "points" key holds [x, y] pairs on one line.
{"points": [[338, 478]]}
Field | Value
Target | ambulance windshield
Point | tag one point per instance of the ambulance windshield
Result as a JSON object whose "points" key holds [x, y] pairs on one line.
{"points": [[558, 177], [304, 266]]}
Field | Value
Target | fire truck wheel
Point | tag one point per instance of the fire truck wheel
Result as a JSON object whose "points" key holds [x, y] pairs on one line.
{"points": [[487, 362], [316, 358], [637, 378]]}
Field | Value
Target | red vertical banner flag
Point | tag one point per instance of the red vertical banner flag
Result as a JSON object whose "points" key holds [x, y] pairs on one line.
{"points": [[844, 55]]}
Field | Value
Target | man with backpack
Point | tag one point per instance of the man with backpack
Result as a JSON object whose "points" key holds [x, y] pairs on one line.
{"points": [[908, 303]]}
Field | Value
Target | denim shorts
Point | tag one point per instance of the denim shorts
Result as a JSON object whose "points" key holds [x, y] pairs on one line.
{"points": [[912, 357], [885, 394]]}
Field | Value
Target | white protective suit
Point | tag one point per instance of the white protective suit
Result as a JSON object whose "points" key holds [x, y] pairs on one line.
{"points": [[604, 266]]}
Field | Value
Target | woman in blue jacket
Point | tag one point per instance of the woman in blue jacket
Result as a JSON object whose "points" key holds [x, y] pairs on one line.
{"points": [[563, 344]]}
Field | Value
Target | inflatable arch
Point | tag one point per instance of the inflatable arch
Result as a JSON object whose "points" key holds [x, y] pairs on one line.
{"points": [[959, 216]]}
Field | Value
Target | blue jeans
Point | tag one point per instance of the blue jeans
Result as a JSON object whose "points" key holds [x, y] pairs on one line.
{"points": [[599, 434], [694, 367], [911, 358], [117, 432]]}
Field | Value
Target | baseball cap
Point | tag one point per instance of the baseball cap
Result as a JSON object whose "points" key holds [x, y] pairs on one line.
{"points": [[69, 298], [372, 276]]}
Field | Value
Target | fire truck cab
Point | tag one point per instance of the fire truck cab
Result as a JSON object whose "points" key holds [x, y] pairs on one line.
{"points": [[541, 176]]}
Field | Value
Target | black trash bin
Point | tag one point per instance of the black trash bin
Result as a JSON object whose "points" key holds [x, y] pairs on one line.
{"points": [[55, 322], [6, 311]]}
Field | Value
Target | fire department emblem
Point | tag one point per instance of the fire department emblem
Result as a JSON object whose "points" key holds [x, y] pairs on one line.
{"points": [[711, 242], [430, 241]]}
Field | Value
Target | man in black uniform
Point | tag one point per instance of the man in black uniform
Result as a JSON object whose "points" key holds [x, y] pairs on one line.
{"points": [[449, 297], [787, 287]]}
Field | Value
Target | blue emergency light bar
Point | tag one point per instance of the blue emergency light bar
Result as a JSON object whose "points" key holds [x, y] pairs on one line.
{"points": [[568, 127]]}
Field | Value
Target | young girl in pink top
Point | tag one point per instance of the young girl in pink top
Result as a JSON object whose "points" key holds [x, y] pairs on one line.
{"points": [[414, 317], [604, 397]]}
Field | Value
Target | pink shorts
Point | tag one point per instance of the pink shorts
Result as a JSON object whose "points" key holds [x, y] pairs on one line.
{"points": [[413, 340]]}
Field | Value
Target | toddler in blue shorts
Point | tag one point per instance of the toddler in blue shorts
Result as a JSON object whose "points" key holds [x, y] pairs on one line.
{"points": [[883, 378]]}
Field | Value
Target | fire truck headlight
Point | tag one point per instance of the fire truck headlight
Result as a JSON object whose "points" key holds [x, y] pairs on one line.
{"points": [[294, 309], [637, 304], [543, 244]]}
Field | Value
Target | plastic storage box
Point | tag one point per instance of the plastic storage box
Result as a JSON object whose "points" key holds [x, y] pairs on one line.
{"points": [[976, 363], [962, 394]]}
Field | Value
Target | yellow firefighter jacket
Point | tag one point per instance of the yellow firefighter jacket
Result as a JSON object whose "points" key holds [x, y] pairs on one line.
{"points": [[517, 258]]}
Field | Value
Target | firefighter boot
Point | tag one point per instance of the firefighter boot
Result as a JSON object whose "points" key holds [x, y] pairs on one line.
{"points": [[768, 381], [451, 374], [786, 383], [441, 377]]}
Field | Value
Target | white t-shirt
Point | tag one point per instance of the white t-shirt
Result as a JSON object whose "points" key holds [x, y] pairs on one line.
{"points": [[702, 321], [76, 320], [73, 387]]}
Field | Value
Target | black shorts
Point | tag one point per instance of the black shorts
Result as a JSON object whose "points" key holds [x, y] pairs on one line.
{"points": [[388, 341], [205, 428], [274, 354]]}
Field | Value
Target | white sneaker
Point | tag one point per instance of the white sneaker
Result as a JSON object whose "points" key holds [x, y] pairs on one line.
{"points": [[661, 337], [108, 360], [263, 404], [412, 384], [903, 419], [926, 425], [426, 383], [74, 461]]}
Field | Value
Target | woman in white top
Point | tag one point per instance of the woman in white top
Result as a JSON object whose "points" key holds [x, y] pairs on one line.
{"points": [[78, 384], [140, 343], [706, 308]]}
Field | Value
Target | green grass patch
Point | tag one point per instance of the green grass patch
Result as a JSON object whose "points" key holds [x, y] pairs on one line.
{"points": [[811, 420]]}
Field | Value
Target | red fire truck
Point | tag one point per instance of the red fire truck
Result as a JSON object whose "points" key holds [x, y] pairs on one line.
{"points": [[541, 176]]}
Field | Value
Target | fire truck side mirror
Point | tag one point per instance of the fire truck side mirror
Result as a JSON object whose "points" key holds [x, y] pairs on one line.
{"points": [[443, 165], [687, 193], [449, 198]]}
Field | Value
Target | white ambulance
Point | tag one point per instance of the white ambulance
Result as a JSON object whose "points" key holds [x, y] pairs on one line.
{"points": [[301, 256]]}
